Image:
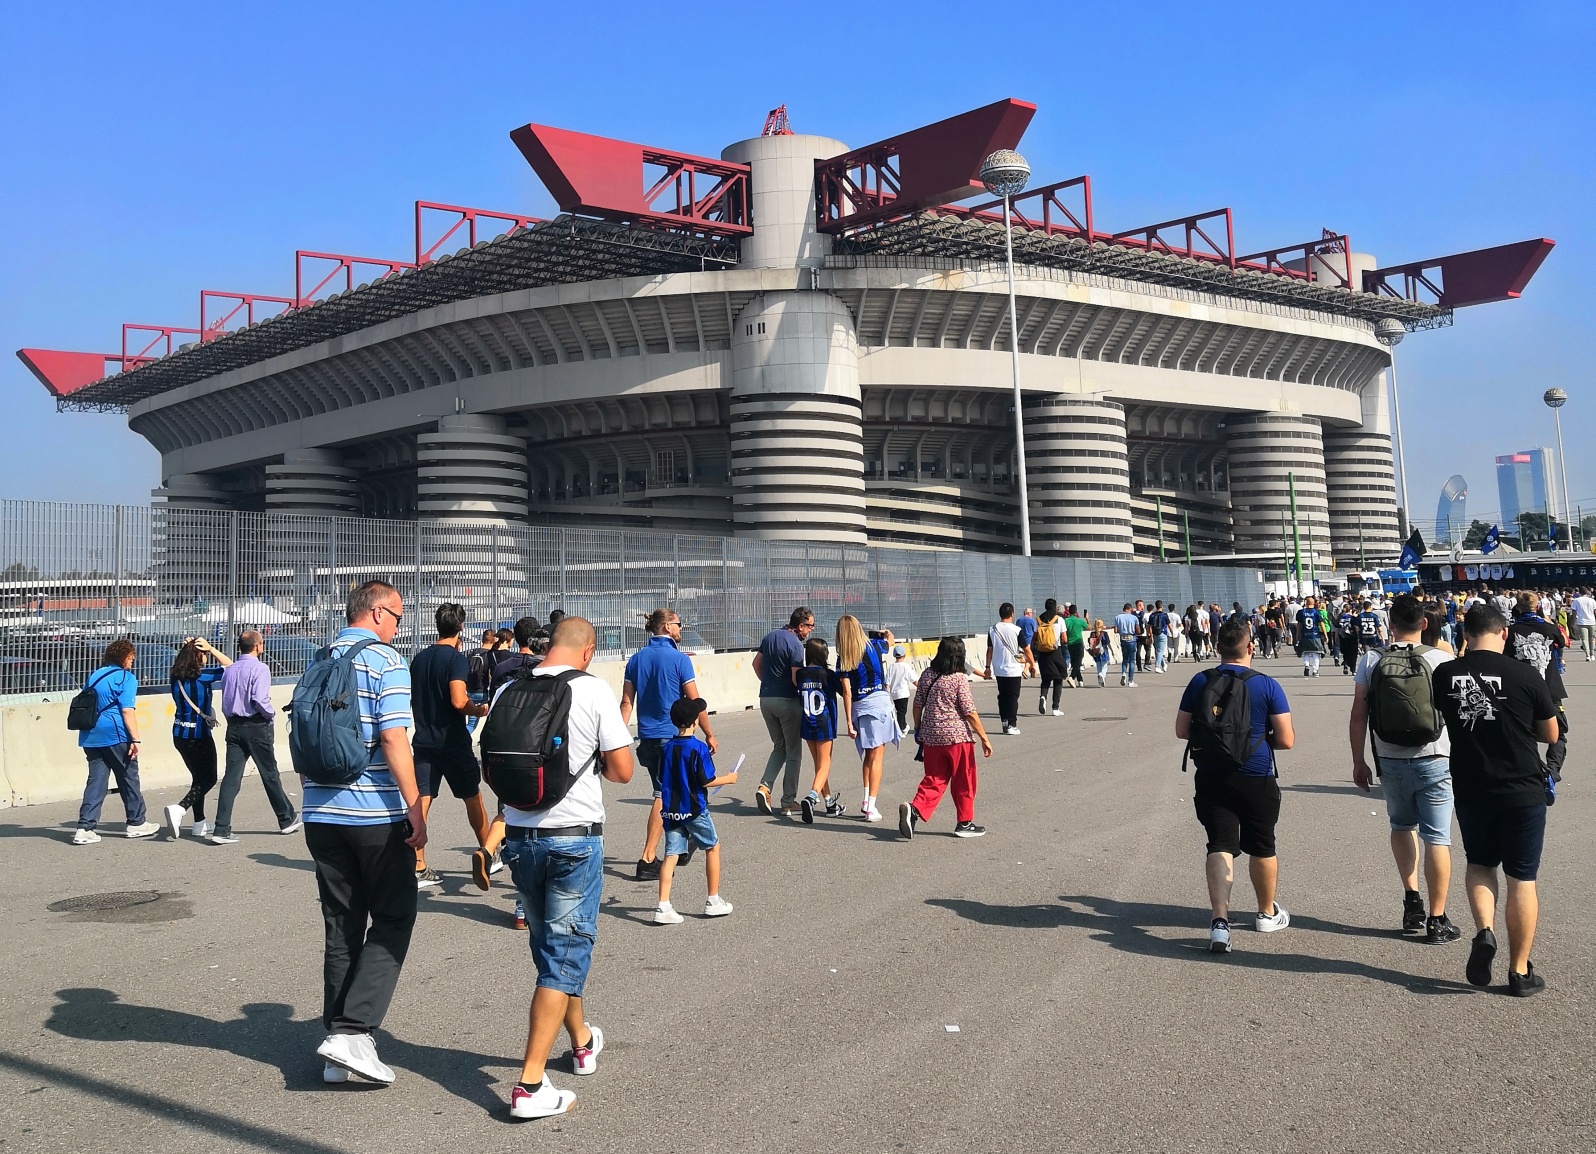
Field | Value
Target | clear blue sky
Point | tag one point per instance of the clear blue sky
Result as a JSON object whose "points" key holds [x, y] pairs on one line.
{"points": [[148, 155]]}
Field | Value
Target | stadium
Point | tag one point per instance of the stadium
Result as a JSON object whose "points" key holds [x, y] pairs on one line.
{"points": [[800, 340]]}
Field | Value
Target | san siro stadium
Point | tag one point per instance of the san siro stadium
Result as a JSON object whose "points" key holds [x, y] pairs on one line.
{"points": [[804, 341]]}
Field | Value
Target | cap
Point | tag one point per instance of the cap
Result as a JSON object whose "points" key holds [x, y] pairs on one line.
{"points": [[899, 651], [685, 711]]}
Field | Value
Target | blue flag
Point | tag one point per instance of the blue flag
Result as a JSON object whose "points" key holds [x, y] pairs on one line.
{"points": [[1412, 552], [1492, 540], [1551, 535]]}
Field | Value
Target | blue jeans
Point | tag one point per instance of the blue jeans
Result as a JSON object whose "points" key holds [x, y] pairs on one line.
{"points": [[560, 880], [1127, 658], [1418, 796], [1160, 651], [105, 762]]}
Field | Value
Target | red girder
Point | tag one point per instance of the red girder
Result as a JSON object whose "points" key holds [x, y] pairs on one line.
{"points": [[211, 328], [1466, 278], [162, 333], [776, 123], [64, 373], [468, 219], [1150, 237], [342, 263], [1331, 244], [1055, 218]]}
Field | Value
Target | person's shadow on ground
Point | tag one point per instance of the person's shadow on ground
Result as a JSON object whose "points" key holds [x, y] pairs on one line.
{"points": [[267, 1032], [1127, 926]]}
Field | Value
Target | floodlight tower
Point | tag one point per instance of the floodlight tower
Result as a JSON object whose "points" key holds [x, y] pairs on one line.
{"points": [[1555, 399], [1004, 173], [1389, 332]]}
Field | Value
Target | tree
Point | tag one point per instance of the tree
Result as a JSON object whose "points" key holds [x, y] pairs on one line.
{"points": [[1476, 534], [17, 571]]}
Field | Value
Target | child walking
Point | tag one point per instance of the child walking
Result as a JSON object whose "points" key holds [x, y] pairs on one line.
{"points": [[900, 683], [817, 693], [687, 774]]}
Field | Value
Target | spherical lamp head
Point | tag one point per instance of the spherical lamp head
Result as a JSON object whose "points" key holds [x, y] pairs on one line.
{"points": [[1005, 172], [1389, 332], [1555, 398]]}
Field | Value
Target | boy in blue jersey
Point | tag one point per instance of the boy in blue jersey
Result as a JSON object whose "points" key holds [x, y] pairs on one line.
{"points": [[818, 686], [687, 774]]}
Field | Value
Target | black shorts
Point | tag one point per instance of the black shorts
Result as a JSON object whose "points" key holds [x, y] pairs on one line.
{"points": [[1239, 811], [1506, 836], [651, 754], [456, 766]]}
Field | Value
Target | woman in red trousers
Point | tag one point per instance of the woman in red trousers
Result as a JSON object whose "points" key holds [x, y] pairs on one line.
{"points": [[947, 727]]}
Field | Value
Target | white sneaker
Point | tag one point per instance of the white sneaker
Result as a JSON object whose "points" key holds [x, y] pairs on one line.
{"points": [[1132, 685], [293, 827], [1219, 937], [143, 829], [545, 1102], [174, 820], [717, 907], [1014, 731], [584, 1059], [1058, 713], [334, 1075], [85, 837], [220, 838], [201, 829], [1122, 679], [1102, 681], [665, 915], [356, 1053], [1269, 923], [872, 814]]}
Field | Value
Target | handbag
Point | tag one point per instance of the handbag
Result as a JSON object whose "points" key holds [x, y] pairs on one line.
{"points": [[208, 718]]}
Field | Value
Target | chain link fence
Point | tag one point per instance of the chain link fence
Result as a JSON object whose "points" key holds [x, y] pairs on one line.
{"points": [[73, 577]]}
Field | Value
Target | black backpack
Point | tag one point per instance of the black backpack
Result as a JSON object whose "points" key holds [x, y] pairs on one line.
{"points": [[1221, 725], [83, 714], [526, 743], [1402, 698]]}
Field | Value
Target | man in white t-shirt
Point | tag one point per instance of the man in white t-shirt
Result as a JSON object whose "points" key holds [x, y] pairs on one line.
{"points": [[556, 858], [1006, 658], [1583, 611], [1416, 780]]}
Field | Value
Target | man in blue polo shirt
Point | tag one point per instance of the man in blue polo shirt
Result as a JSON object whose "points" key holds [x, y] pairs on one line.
{"points": [[657, 676], [781, 652]]}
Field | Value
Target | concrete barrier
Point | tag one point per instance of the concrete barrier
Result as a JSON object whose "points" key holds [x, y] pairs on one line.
{"points": [[40, 761]]}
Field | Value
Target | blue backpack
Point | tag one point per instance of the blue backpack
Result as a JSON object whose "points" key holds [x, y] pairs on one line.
{"points": [[324, 738]]}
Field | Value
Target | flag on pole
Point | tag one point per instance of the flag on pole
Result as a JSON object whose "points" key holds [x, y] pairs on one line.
{"points": [[1492, 540], [1551, 535], [1412, 552]]}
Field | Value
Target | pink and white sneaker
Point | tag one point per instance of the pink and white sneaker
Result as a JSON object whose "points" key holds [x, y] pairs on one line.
{"points": [[584, 1059], [544, 1102]]}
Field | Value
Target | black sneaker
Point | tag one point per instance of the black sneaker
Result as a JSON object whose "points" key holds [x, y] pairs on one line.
{"points": [[1041, 707], [692, 848], [647, 871], [1413, 912], [969, 829], [1440, 930], [1481, 955], [1527, 984], [908, 819], [807, 807]]}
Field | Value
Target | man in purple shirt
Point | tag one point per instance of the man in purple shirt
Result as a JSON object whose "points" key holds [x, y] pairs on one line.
{"points": [[247, 705]]}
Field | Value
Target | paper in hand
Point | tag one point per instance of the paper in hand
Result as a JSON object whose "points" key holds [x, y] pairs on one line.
{"points": [[741, 757]]}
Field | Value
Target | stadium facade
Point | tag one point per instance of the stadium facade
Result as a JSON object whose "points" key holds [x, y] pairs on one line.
{"points": [[802, 341]]}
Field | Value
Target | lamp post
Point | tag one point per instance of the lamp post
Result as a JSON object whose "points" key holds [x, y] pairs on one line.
{"points": [[1004, 173], [1389, 332], [1555, 400]]}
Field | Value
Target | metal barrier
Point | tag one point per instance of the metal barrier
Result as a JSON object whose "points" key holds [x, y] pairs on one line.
{"points": [[73, 577]]}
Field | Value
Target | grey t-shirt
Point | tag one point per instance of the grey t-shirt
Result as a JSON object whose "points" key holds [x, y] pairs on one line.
{"points": [[1434, 658]]}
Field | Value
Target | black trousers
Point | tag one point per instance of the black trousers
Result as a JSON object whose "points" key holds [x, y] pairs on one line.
{"points": [[366, 875], [1051, 662], [246, 741], [901, 704], [1077, 655], [1349, 652], [199, 756], [1009, 700], [1557, 752]]}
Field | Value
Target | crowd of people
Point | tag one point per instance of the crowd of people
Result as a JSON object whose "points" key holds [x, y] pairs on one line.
{"points": [[1453, 698]]}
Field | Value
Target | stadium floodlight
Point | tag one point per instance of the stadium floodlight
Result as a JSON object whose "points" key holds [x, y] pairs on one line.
{"points": [[1555, 399], [1004, 173], [1389, 332]]}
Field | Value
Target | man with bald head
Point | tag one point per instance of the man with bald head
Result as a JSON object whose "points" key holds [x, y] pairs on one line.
{"points": [[247, 705]]}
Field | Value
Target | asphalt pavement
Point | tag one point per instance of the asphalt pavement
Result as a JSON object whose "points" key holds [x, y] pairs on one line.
{"points": [[1046, 987]]}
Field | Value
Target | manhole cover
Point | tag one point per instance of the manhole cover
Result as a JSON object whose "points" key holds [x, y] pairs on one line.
{"points": [[1105, 719], [99, 903]]}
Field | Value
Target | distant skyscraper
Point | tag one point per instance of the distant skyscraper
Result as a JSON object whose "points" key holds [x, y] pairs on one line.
{"points": [[1525, 483], [1451, 514]]}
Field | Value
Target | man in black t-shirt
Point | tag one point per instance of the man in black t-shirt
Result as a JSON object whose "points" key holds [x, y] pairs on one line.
{"points": [[1538, 643], [1496, 710], [441, 743], [527, 630]]}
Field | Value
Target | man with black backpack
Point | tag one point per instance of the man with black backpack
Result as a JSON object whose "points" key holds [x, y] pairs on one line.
{"points": [[1394, 701], [1232, 718], [553, 731]]}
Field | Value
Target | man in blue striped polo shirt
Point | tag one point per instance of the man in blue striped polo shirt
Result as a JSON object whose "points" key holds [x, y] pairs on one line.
{"points": [[363, 837]]}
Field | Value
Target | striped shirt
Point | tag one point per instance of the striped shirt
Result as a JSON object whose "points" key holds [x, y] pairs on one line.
{"points": [[189, 720], [382, 684]]}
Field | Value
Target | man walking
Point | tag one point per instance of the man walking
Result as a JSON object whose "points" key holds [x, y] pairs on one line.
{"points": [[1129, 628], [1395, 693], [1158, 628], [1311, 638], [1496, 710], [556, 858], [1237, 794], [1027, 626], [1075, 628], [781, 652], [111, 745], [363, 838], [247, 706], [657, 676], [1006, 657], [1539, 644], [1048, 645], [1583, 613]]}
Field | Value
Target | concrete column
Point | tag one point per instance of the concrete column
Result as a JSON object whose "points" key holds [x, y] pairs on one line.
{"points": [[1361, 479], [471, 469], [1078, 472], [312, 481], [192, 491], [1264, 449], [783, 204], [797, 441]]}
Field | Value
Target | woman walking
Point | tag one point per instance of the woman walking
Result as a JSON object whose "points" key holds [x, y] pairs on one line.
{"points": [[1101, 647], [947, 725], [194, 678], [871, 722]]}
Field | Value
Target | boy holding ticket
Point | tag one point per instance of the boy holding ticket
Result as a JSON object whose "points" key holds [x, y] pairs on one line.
{"points": [[687, 774]]}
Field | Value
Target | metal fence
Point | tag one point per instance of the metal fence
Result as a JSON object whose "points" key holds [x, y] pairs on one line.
{"points": [[72, 577]]}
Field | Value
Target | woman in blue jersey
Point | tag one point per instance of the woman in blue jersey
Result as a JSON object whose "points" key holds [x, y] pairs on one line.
{"points": [[196, 672], [871, 720]]}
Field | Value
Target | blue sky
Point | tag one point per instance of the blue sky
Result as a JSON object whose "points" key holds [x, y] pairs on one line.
{"points": [[152, 154]]}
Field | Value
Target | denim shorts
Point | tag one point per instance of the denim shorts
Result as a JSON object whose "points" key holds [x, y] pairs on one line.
{"points": [[699, 830], [651, 756], [1508, 836], [1418, 796], [560, 880]]}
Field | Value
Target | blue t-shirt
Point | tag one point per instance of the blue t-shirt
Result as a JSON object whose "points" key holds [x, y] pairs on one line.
{"points": [[189, 720], [1027, 626], [657, 672], [817, 691], [781, 652], [1309, 623], [1370, 624], [382, 689], [870, 676], [116, 689], [1265, 697], [1128, 624], [686, 768]]}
